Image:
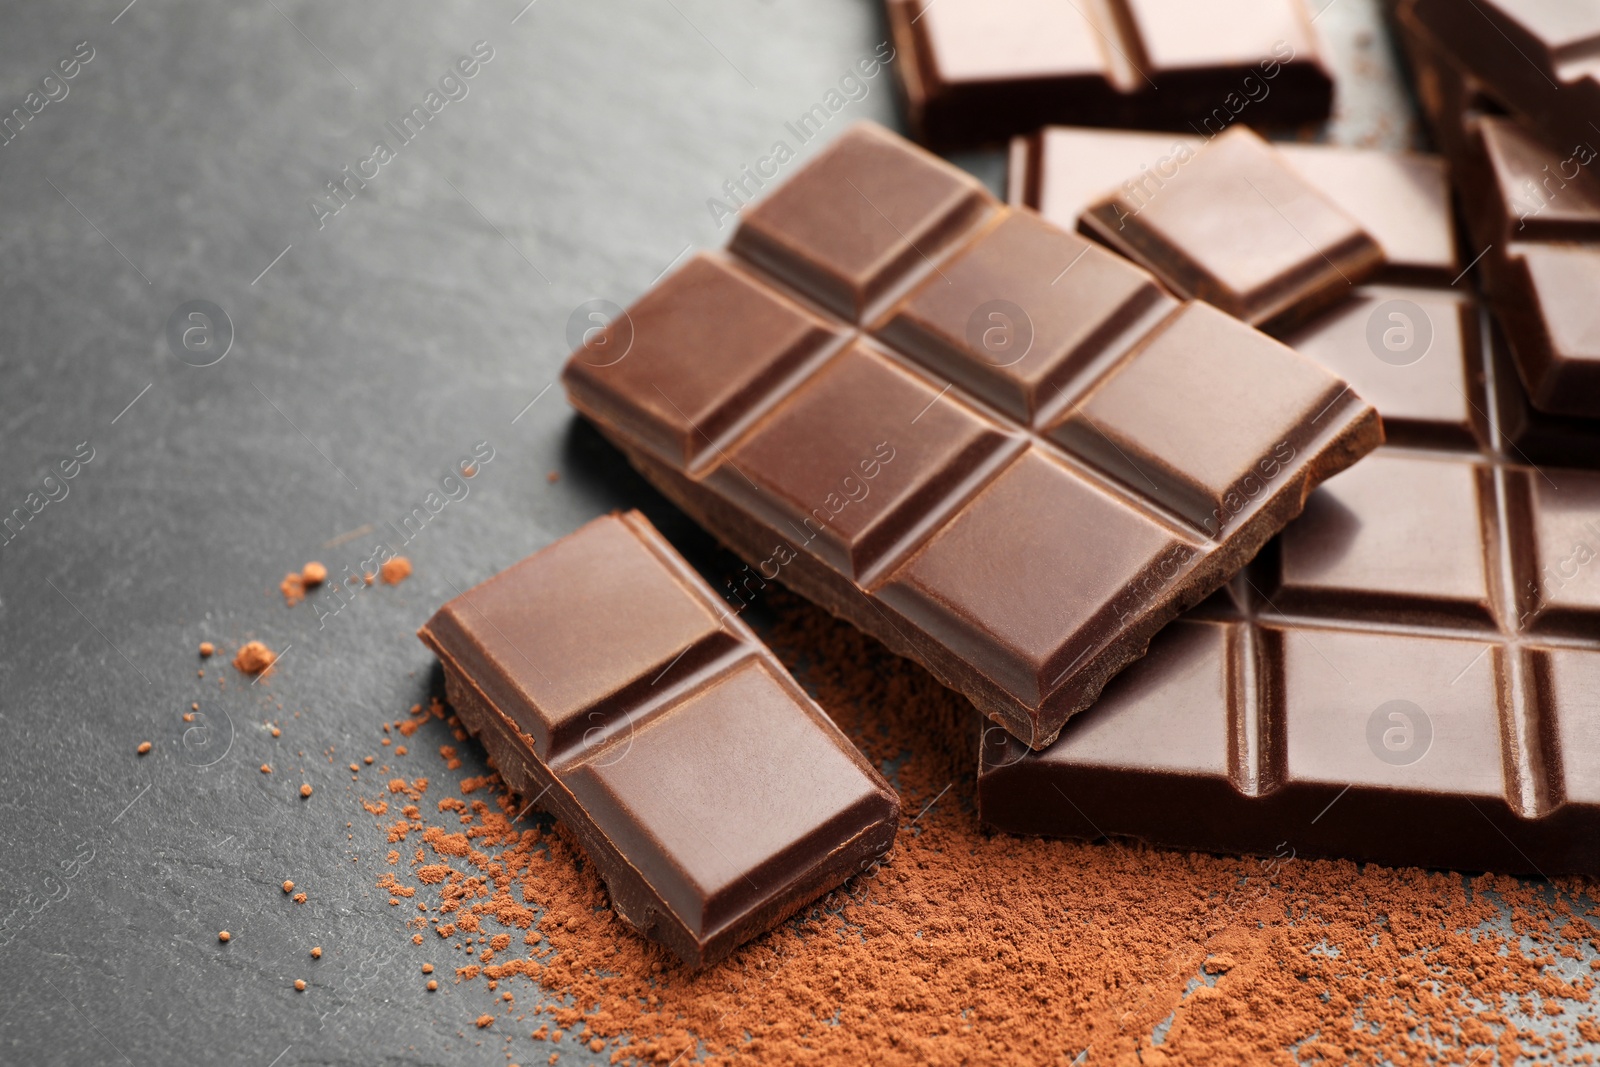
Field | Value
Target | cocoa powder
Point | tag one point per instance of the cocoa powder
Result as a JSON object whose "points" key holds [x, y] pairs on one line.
{"points": [[967, 946]]}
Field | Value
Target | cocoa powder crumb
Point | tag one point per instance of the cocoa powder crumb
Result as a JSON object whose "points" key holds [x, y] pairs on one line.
{"points": [[288, 886], [313, 573], [144, 748], [427, 968], [293, 588], [485, 1020], [433, 985], [396, 570], [224, 936], [254, 658], [316, 952], [305, 790], [207, 649], [299, 898], [266, 768], [299, 985]]}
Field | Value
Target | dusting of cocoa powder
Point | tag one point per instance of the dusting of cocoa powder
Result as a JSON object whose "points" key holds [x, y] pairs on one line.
{"points": [[293, 588], [966, 946]]}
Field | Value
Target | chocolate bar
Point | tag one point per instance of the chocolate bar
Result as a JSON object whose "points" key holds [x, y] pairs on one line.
{"points": [[1403, 676], [975, 71], [1062, 171], [1234, 224], [1000, 449], [609, 684], [1535, 213], [1532, 58]]}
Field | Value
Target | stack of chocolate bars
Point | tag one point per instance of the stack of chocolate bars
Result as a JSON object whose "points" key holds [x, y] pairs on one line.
{"points": [[1066, 452]]}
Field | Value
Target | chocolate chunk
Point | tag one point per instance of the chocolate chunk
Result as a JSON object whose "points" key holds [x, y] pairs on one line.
{"points": [[1533, 58], [976, 71], [1535, 214], [1237, 226], [1402, 676], [609, 684], [997, 447], [1061, 171]]}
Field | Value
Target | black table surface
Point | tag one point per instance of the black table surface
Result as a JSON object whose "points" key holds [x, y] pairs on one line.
{"points": [[372, 348]]}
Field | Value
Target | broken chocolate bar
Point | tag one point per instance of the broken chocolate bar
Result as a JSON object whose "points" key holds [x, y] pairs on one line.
{"points": [[975, 71], [1535, 215], [1000, 449], [1402, 676], [609, 684]]}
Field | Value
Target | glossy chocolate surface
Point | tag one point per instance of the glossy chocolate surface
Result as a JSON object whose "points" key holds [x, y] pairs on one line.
{"points": [[610, 685], [975, 71], [1232, 223], [1405, 675], [996, 446]]}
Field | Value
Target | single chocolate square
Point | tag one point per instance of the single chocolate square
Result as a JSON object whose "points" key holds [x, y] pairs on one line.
{"points": [[1235, 225], [1007, 453], [610, 685]]}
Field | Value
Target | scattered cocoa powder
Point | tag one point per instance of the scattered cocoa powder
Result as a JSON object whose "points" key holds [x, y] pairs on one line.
{"points": [[299, 898], [144, 748], [967, 946], [313, 573], [396, 570], [254, 658], [553, 477], [293, 588]]}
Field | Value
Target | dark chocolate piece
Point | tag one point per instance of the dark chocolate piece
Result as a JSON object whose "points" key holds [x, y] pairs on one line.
{"points": [[1535, 215], [995, 446], [610, 685], [975, 71], [1235, 225], [1062, 171], [1533, 58], [1403, 676]]}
